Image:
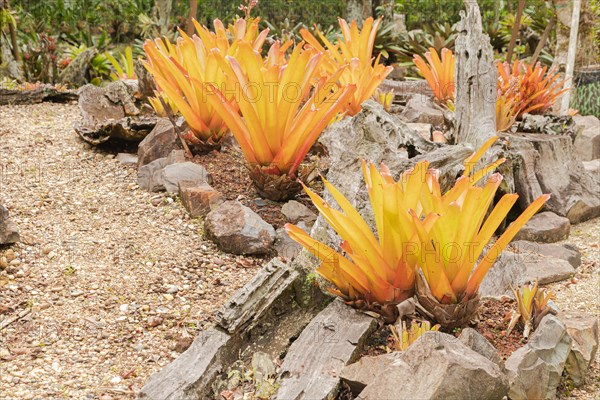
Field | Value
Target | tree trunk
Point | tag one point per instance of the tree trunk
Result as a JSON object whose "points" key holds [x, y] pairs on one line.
{"points": [[358, 10], [475, 80], [564, 107], [163, 10], [515, 30], [189, 26]]}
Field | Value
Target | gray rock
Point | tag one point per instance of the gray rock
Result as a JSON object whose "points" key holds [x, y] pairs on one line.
{"points": [[593, 168], [159, 143], [237, 229], [514, 269], [439, 366], [295, 212], [364, 372], [564, 251], [545, 227], [285, 246], [541, 163], [422, 129], [583, 330], [548, 124], [311, 367], [199, 200], [547, 270], [535, 369], [421, 109], [183, 171], [149, 175], [111, 112], [127, 158], [189, 376], [9, 233], [587, 141], [476, 342]]}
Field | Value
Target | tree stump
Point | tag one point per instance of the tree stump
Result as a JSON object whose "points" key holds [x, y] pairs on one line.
{"points": [[475, 80]]}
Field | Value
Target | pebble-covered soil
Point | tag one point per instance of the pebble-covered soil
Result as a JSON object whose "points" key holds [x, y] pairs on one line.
{"points": [[110, 283]]}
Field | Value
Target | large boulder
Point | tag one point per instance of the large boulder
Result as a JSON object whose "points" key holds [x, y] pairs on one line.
{"points": [[564, 251], [9, 233], [587, 141], [366, 370], [237, 229], [536, 368], [583, 330], [476, 342], [111, 112], [541, 163], [159, 142], [545, 227], [439, 366]]}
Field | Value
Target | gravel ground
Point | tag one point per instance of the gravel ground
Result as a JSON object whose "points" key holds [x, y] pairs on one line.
{"points": [[109, 283], [582, 293]]}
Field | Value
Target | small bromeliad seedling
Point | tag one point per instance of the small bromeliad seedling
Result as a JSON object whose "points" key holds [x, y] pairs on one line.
{"points": [[532, 306], [401, 340]]}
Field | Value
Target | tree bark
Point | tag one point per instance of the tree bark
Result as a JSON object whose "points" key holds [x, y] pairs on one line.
{"points": [[189, 26], [475, 80], [515, 30], [564, 107]]}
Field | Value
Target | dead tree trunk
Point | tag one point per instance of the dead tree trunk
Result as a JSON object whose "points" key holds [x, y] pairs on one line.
{"points": [[475, 80]]}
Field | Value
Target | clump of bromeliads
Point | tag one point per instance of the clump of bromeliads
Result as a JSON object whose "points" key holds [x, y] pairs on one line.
{"points": [[428, 244], [275, 103]]}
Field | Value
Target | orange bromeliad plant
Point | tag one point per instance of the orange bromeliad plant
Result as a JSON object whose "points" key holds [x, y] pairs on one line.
{"points": [[451, 264], [438, 72], [533, 88], [506, 112], [280, 115], [183, 70], [355, 51], [418, 228], [378, 270]]}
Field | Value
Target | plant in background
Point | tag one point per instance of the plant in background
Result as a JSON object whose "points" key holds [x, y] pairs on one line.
{"points": [[124, 69], [534, 89], [401, 340], [532, 306], [384, 98], [281, 117], [439, 73], [433, 35], [377, 272], [354, 53], [183, 70], [451, 273]]}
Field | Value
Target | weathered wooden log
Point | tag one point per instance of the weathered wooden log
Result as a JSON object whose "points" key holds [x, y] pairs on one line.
{"points": [[475, 80], [39, 95], [333, 339], [262, 316], [402, 88]]}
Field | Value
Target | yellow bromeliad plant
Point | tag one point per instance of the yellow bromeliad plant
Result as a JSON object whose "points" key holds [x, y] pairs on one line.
{"points": [[402, 340], [425, 237], [532, 306], [183, 70], [378, 270], [452, 269], [279, 116], [354, 50]]}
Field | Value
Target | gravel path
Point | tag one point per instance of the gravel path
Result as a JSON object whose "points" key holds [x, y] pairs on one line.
{"points": [[110, 282]]}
